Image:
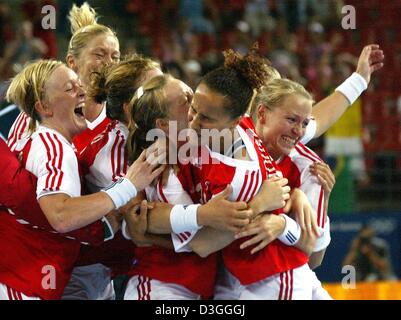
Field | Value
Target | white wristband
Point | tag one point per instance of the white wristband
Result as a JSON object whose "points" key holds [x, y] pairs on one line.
{"points": [[352, 87], [291, 233], [124, 230], [184, 218], [121, 192]]}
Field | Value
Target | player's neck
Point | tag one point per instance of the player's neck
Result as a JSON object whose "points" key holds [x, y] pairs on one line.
{"points": [[92, 110]]}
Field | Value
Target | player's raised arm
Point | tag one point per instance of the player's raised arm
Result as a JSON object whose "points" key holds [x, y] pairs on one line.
{"points": [[330, 109]]}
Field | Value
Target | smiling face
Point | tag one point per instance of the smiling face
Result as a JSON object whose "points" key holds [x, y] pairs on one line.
{"points": [[64, 102], [281, 128], [101, 50]]}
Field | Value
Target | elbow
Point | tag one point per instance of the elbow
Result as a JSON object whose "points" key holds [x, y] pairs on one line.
{"points": [[61, 227], [60, 224]]}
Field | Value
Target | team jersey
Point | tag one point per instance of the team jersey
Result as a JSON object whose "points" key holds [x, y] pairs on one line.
{"points": [[295, 167], [276, 257], [28, 253], [18, 196], [103, 161], [185, 268], [82, 140], [19, 134]]}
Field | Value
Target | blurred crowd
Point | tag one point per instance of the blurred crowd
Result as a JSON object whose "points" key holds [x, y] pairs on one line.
{"points": [[304, 39]]}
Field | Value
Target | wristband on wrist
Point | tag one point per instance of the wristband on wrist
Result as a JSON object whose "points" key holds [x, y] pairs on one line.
{"points": [[108, 230], [352, 87], [184, 218], [121, 192], [291, 233]]}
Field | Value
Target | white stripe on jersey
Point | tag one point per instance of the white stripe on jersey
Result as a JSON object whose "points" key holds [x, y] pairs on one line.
{"points": [[302, 157], [52, 160], [54, 151], [18, 135], [110, 161]]}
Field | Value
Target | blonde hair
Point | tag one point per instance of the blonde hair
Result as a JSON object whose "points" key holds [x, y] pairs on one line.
{"points": [[144, 110], [84, 27], [116, 83], [276, 90], [27, 87]]}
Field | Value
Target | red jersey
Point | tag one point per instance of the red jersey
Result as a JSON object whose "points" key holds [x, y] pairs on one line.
{"points": [[26, 251], [17, 191], [103, 161], [276, 257], [184, 268], [94, 128]]}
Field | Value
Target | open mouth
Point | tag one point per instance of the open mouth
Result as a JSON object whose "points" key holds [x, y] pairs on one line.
{"points": [[79, 110]]}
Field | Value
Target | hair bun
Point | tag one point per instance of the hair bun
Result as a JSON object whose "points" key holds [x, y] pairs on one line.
{"points": [[81, 17], [253, 67]]}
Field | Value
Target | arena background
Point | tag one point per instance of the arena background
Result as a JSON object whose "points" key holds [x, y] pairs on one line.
{"points": [[307, 40]]}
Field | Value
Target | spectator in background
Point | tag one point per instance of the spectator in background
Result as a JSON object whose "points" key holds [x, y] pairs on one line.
{"points": [[258, 17], [32, 10], [193, 11], [370, 256], [23, 49]]}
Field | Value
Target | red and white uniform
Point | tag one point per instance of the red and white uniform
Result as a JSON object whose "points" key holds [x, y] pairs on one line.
{"points": [[274, 272], [17, 188], [295, 168], [7, 293], [82, 140], [162, 273], [26, 252], [102, 161], [19, 132]]}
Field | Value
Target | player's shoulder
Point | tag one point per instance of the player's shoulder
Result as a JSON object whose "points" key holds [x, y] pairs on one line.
{"points": [[114, 132], [47, 144], [50, 139], [302, 156]]}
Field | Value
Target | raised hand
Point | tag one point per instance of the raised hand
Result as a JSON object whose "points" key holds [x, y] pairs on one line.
{"points": [[370, 60]]}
